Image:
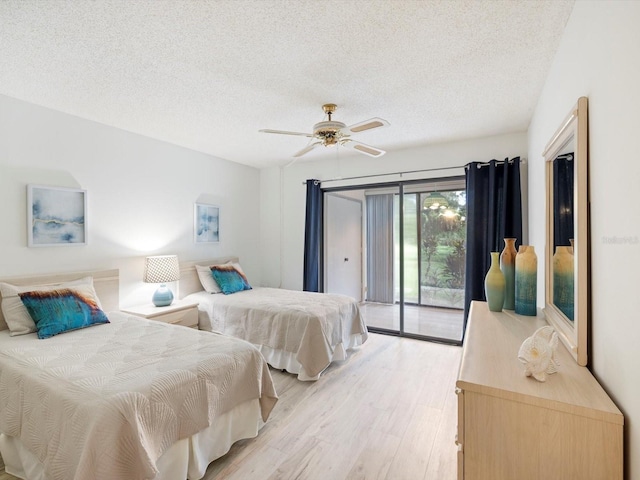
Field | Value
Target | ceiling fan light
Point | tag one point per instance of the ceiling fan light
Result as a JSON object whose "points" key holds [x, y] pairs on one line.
{"points": [[331, 132], [321, 128]]}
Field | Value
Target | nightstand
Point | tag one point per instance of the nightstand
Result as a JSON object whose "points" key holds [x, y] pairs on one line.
{"points": [[178, 313]]}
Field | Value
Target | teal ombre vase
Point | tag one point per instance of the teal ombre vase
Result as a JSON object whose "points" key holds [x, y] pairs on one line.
{"points": [[508, 267], [563, 280], [494, 284], [526, 281]]}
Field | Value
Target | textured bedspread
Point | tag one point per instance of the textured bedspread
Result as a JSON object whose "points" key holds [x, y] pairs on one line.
{"points": [[105, 402], [305, 323]]}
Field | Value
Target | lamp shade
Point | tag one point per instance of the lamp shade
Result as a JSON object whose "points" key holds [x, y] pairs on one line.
{"points": [[161, 269]]}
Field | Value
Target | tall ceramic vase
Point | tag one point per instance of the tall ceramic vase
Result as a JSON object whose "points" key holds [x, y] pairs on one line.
{"points": [[563, 280], [494, 284], [526, 281], [508, 267]]}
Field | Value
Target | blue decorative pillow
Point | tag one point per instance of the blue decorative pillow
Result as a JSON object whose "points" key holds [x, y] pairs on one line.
{"points": [[229, 279], [59, 311]]}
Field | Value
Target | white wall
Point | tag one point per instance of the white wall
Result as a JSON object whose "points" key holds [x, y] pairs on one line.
{"points": [[140, 191], [282, 190], [598, 58]]}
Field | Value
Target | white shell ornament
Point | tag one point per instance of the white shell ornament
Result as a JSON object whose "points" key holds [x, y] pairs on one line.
{"points": [[537, 353]]}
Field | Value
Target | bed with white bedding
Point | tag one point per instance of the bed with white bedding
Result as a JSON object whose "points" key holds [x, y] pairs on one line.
{"points": [[301, 332], [129, 399]]}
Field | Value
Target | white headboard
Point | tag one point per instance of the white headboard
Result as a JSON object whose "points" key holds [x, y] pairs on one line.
{"points": [[189, 281], [105, 282]]}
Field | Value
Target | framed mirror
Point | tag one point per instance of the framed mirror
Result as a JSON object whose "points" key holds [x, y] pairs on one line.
{"points": [[567, 233]]}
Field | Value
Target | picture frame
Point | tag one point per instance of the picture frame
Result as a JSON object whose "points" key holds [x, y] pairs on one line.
{"points": [[206, 223], [56, 216]]}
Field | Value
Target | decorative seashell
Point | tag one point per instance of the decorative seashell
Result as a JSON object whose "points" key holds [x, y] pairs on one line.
{"points": [[537, 353]]}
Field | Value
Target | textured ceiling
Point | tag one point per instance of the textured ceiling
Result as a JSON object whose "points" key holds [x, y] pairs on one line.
{"points": [[208, 75]]}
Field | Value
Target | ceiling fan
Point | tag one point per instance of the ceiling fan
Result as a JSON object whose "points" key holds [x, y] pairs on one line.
{"points": [[330, 132]]}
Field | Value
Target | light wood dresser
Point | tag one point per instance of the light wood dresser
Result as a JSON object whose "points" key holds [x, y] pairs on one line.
{"points": [[514, 427]]}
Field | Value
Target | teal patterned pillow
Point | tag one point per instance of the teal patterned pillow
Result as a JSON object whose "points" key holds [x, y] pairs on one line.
{"points": [[59, 311], [229, 279]]}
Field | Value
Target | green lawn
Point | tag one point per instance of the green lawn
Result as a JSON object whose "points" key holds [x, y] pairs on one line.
{"points": [[435, 284]]}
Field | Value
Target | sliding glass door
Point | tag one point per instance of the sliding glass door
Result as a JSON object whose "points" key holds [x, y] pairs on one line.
{"points": [[440, 233], [413, 252]]}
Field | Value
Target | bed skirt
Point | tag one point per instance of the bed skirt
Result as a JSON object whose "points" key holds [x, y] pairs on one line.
{"points": [[187, 458], [287, 361]]}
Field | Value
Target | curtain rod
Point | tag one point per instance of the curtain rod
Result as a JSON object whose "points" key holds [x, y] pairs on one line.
{"points": [[480, 164]]}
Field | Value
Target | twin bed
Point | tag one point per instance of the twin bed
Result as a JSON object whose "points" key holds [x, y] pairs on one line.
{"points": [[300, 332], [130, 399]]}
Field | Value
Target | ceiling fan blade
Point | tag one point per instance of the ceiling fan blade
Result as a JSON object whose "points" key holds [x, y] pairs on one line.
{"points": [[307, 149], [284, 132], [365, 125], [363, 148]]}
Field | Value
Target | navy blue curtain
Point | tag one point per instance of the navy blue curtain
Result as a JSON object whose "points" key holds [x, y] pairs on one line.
{"points": [[312, 237], [494, 212], [563, 200]]}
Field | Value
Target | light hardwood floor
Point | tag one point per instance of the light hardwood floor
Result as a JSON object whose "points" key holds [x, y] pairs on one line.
{"points": [[387, 413]]}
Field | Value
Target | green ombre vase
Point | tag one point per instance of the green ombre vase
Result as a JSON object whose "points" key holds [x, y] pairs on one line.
{"points": [[494, 284], [526, 281]]}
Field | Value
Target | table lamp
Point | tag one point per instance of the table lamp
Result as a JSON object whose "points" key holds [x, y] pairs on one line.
{"points": [[162, 269]]}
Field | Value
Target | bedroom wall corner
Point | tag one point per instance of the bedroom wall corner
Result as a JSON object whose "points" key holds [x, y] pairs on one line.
{"points": [[271, 229], [140, 195]]}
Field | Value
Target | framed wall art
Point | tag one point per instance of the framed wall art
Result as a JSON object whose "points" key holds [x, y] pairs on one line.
{"points": [[56, 216], [206, 226]]}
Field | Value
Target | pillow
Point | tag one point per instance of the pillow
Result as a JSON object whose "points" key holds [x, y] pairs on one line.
{"points": [[237, 267], [206, 279], [63, 310], [16, 315], [229, 279]]}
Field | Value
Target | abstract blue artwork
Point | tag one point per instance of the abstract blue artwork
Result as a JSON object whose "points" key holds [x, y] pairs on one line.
{"points": [[56, 216], [206, 223]]}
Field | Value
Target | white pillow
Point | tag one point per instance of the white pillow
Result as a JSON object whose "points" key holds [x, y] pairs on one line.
{"points": [[16, 315], [206, 278], [237, 267]]}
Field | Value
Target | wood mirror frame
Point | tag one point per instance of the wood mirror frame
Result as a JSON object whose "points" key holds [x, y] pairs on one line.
{"points": [[571, 137]]}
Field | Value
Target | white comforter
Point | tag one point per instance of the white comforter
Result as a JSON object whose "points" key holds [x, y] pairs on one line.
{"points": [[105, 402], [309, 325]]}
